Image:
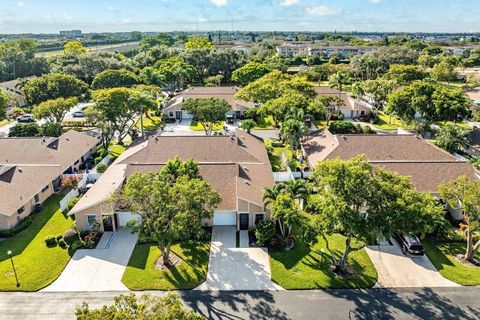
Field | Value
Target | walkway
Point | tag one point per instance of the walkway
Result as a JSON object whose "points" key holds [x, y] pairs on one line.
{"points": [[231, 268], [98, 269], [395, 270]]}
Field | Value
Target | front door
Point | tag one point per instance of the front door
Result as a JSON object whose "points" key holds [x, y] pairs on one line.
{"points": [[244, 221], [178, 115], [107, 223]]}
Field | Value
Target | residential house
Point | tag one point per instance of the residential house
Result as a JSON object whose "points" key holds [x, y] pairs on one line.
{"points": [[427, 165], [173, 109], [30, 170], [237, 167], [352, 108]]}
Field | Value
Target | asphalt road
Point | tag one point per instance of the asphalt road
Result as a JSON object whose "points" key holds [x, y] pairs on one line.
{"points": [[441, 303]]}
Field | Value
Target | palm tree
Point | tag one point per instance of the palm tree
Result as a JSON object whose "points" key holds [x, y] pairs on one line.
{"points": [[297, 189], [248, 125], [337, 81], [271, 194], [146, 102]]}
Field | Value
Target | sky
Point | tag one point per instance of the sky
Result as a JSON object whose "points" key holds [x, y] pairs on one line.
{"points": [[50, 16]]}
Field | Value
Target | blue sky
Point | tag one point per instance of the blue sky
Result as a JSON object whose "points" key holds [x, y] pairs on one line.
{"points": [[50, 16]]}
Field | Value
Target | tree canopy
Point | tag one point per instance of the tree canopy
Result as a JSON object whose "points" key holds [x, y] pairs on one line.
{"points": [[115, 79], [53, 86], [207, 111], [198, 43], [249, 73], [74, 48], [4, 103]]}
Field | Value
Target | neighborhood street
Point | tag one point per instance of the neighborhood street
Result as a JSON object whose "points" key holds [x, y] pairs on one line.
{"points": [[405, 303]]}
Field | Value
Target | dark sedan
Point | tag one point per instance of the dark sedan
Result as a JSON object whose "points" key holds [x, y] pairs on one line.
{"points": [[410, 245]]}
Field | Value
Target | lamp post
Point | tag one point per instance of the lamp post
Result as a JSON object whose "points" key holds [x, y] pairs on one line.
{"points": [[321, 259], [9, 252]]}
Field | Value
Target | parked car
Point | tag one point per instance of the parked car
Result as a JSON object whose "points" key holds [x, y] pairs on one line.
{"points": [[25, 118], [78, 114], [410, 244]]}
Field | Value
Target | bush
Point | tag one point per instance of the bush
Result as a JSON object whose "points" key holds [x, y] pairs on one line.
{"points": [[24, 130], [101, 152], [97, 160], [50, 241], [368, 130], [59, 237], [71, 203], [76, 244], [343, 127], [70, 236], [91, 238], [101, 168], [264, 232], [62, 244], [22, 225], [69, 182]]}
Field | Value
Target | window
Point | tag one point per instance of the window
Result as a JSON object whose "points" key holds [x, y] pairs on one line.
{"points": [[91, 219], [22, 209], [77, 162], [259, 217], [45, 189], [37, 198], [170, 114]]}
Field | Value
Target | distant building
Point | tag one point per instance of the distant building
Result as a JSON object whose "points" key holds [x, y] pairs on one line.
{"points": [[292, 49], [71, 33]]}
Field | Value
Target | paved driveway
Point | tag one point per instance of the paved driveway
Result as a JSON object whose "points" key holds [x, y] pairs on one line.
{"points": [[231, 268], [98, 269], [395, 270]]}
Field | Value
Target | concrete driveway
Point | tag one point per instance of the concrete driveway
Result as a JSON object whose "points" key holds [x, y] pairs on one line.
{"points": [[231, 268], [395, 270], [99, 269]]}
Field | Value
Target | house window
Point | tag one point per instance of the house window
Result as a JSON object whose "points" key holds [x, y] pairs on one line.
{"points": [[170, 114], [77, 162], [37, 198], [45, 189], [22, 209], [91, 219], [259, 217]]}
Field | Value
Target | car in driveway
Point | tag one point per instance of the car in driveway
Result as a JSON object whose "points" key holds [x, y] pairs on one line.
{"points": [[25, 118], [78, 114], [410, 244]]}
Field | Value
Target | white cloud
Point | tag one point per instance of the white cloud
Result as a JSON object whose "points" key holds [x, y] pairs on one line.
{"points": [[67, 17], [304, 23], [219, 3], [288, 3], [322, 11], [47, 16], [111, 8], [21, 4], [202, 19], [124, 21], [374, 1]]}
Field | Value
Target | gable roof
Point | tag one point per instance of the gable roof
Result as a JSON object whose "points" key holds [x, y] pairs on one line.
{"points": [[27, 165], [408, 155], [235, 166]]}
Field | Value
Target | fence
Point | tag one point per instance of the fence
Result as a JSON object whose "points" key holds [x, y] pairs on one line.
{"points": [[289, 175], [84, 180]]}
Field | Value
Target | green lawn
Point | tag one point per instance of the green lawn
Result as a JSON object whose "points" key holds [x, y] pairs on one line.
{"points": [[196, 126], [37, 265], [302, 267], [141, 274], [274, 155], [443, 255], [265, 123], [149, 124], [116, 150], [462, 125], [385, 122], [5, 121]]}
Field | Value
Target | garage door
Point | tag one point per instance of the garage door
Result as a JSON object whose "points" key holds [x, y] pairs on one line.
{"points": [[225, 218], [124, 217]]}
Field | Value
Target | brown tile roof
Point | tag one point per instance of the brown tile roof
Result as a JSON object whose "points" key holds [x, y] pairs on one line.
{"points": [[406, 154], [27, 165], [327, 91]]}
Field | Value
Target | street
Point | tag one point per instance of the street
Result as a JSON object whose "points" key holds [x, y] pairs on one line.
{"points": [[405, 303]]}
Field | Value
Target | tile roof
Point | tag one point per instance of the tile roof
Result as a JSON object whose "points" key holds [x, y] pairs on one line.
{"points": [[406, 154], [27, 165]]}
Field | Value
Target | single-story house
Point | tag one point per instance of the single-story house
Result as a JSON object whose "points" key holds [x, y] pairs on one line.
{"points": [[474, 95], [410, 155], [31, 168], [352, 108], [237, 167], [173, 109]]}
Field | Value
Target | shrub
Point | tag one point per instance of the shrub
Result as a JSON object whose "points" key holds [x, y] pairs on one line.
{"points": [[59, 237], [70, 236], [91, 238], [101, 152], [24, 130], [265, 232], [62, 244], [101, 168], [71, 203], [69, 182], [368, 130], [76, 244], [22, 225], [50, 241], [343, 127], [97, 160]]}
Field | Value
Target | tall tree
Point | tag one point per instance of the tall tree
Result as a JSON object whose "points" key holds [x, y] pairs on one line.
{"points": [[249, 73], [294, 129], [363, 202], [465, 195], [207, 111], [198, 43], [74, 48], [54, 110], [115, 79], [451, 138], [4, 103], [53, 86], [279, 108], [171, 203], [327, 106], [176, 73]]}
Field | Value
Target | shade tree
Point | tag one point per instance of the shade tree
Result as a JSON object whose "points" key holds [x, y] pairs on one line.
{"points": [[207, 111], [53, 86]]}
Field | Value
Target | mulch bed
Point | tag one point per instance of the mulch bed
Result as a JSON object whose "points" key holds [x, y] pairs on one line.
{"points": [[174, 262]]}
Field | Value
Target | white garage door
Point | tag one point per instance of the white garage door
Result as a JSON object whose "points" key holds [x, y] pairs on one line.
{"points": [[225, 218], [124, 217]]}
